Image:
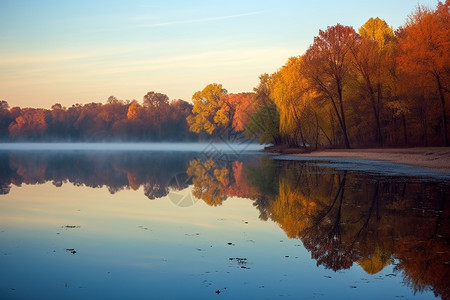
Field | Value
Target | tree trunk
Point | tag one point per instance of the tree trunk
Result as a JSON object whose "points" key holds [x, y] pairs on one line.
{"points": [[342, 116], [376, 113], [405, 134], [444, 113]]}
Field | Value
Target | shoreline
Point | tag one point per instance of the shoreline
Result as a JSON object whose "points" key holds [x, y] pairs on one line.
{"points": [[433, 158]]}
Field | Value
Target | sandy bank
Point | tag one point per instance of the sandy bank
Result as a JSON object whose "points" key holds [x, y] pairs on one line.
{"points": [[437, 159]]}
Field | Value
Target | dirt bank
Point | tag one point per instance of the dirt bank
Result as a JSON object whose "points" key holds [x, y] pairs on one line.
{"points": [[437, 159]]}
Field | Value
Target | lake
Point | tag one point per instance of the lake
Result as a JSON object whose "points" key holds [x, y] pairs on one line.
{"points": [[207, 221]]}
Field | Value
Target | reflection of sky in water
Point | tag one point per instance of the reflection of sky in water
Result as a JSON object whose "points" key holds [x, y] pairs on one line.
{"points": [[128, 246], [372, 167]]}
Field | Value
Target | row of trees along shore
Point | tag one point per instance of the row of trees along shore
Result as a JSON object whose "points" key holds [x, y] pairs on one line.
{"points": [[372, 88], [156, 119]]}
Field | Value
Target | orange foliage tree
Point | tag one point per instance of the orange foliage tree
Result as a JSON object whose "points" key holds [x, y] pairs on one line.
{"points": [[31, 123], [236, 109], [423, 50], [327, 65]]}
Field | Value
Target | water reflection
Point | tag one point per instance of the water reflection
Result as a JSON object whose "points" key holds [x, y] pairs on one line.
{"points": [[115, 170], [215, 181], [349, 217], [342, 217]]}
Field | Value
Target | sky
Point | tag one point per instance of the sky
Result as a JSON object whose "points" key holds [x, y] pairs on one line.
{"points": [[72, 52]]}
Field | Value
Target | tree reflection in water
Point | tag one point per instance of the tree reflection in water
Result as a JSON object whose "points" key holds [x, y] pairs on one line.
{"points": [[115, 170], [342, 217], [346, 217]]}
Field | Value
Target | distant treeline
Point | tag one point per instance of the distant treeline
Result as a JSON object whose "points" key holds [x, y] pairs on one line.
{"points": [[155, 119]]}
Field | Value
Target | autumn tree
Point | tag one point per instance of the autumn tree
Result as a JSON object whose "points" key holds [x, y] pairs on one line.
{"points": [[31, 123], [371, 56], [112, 100], [157, 110], [177, 127], [377, 30], [327, 66], [113, 111], [204, 116], [181, 106], [58, 125], [5, 119], [133, 110], [235, 110], [423, 47], [89, 124], [155, 100], [293, 98]]}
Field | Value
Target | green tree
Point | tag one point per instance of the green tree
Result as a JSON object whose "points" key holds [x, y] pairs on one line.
{"points": [[265, 121]]}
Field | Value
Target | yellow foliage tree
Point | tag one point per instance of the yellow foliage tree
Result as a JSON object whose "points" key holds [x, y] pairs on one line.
{"points": [[293, 96], [133, 110], [377, 30], [205, 115], [372, 59]]}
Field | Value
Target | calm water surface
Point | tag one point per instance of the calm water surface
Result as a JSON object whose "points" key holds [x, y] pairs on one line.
{"points": [[218, 222]]}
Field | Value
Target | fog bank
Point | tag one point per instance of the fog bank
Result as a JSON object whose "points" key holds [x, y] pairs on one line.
{"points": [[183, 147]]}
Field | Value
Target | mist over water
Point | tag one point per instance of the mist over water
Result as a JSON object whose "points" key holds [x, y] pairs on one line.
{"points": [[118, 146]]}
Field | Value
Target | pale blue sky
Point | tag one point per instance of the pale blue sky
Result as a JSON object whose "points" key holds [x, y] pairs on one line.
{"points": [[84, 51]]}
